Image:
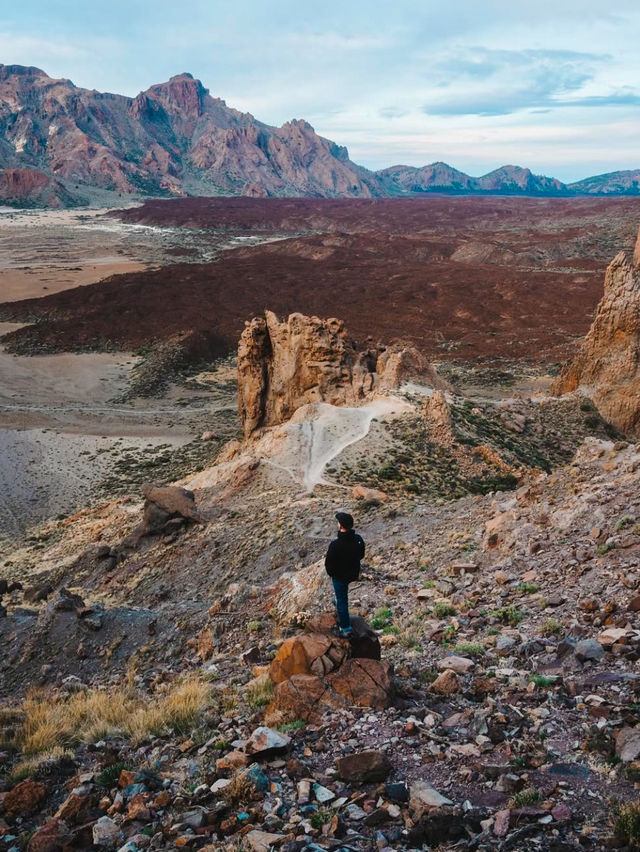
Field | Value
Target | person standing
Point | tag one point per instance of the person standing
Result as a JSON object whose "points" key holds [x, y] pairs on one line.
{"points": [[342, 564]]}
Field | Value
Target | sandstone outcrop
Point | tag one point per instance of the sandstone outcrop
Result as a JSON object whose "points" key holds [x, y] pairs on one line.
{"points": [[285, 365], [607, 367], [315, 671]]}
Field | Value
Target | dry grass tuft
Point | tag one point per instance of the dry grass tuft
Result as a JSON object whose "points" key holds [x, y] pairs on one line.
{"points": [[259, 692], [238, 792], [92, 715], [39, 763]]}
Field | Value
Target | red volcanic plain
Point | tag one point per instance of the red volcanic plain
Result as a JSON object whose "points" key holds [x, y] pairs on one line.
{"points": [[459, 277]]}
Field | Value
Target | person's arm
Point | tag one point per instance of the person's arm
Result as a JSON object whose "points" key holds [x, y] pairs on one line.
{"points": [[361, 543], [330, 559]]}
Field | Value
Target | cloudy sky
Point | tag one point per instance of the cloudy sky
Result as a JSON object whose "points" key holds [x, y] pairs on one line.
{"points": [[553, 84]]}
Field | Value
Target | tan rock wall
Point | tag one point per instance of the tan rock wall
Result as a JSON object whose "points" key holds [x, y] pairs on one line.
{"points": [[607, 367]]}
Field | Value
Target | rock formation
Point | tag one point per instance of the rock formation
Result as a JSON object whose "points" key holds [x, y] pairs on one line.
{"points": [[175, 139], [315, 671], [168, 140], [285, 365], [607, 367]]}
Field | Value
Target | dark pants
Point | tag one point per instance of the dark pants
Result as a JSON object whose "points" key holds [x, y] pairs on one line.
{"points": [[342, 603]]}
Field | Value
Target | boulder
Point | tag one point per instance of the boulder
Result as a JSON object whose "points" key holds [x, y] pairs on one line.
{"points": [[308, 653], [423, 797], [266, 741], [167, 504], [589, 649], [106, 833], [460, 665], [369, 495], [628, 744], [53, 836], [25, 798], [607, 367], [446, 683], [364, 767], [365, 683], [305, 697]]}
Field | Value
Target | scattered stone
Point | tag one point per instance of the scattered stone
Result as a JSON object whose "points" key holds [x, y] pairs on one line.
{"points": [[589, 649], [264, 841], [446, 683], [264, 741], [423, 797], [364, 767], [460, 665], [106, 833]]}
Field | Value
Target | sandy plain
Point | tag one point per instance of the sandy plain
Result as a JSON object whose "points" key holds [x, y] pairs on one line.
{"points": [[62, 421]]}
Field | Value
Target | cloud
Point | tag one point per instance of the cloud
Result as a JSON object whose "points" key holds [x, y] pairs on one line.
{"points": [[488, 82], [392, 112]]}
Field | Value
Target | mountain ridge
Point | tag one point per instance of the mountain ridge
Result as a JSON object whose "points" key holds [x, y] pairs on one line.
{"points": [[62, 145]]}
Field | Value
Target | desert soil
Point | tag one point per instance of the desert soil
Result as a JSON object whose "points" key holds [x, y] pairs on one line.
{"points": [[464, 278]]}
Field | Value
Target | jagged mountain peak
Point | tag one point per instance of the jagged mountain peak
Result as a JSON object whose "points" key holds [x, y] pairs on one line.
{"points": [[175, 138]]}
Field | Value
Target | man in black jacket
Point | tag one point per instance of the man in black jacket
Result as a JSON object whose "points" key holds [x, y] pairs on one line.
{"points": [[343, 566]]}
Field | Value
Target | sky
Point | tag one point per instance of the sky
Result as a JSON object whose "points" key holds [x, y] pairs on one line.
{"points": [[553, 85]]}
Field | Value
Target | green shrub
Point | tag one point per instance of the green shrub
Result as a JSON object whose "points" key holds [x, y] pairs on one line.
{"points": [[626, 824], [381, 618], [542, 680], [443, 610], [551, 627], [469, 649], [510, 615], [525, 798]]}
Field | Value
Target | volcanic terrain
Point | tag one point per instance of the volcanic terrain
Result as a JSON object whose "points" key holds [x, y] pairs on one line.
{"points": [[458, 277], [169, 677]]}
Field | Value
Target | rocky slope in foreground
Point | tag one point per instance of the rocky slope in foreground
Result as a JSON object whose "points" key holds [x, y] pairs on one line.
{"points": [[192, 695]]}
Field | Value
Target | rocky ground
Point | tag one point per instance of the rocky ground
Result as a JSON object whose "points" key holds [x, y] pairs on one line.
{"points": [[169, 678], [510, 620]]}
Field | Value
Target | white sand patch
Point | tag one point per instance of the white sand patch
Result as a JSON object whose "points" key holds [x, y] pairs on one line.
{"points": [[304, 446]]}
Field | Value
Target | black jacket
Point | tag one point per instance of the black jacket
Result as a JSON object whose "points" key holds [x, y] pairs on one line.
{"points": [[343, 556]]}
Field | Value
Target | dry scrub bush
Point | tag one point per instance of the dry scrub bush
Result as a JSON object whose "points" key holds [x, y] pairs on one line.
{"points": [[238, 792], [94, 714], [259, 692], [39, 763], [626, 823]]}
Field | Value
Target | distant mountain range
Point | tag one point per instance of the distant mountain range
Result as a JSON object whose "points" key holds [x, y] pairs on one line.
{"points": [[61, 146]]}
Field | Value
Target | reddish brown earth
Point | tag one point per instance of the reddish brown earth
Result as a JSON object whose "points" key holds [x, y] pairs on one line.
{"points": [[458, 277], [30, 187]]}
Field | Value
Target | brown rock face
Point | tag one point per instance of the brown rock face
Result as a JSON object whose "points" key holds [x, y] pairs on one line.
{"points": [[607, 368], [172, 134], [33, 188], [285, 365], [315, 671], [25, 798]]}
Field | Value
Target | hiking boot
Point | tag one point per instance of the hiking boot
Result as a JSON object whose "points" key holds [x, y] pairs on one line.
{"points": [[342, 634]]}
